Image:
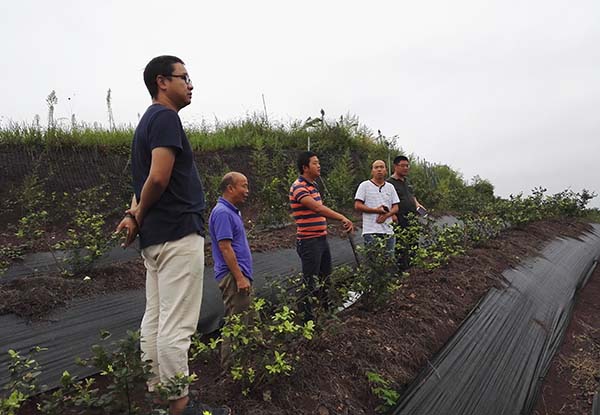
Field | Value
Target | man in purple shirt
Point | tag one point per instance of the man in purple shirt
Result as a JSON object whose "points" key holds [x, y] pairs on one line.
{"points": [[231, 251]]}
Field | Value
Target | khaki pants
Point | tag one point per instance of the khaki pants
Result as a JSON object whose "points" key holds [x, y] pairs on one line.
{"points": [[174, 273], [235, 303]]}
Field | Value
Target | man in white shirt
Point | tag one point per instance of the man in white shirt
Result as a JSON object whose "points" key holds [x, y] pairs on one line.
{"points": [[378, 202]]}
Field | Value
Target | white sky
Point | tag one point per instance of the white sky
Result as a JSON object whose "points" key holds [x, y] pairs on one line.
{"points": [[508, 90]]}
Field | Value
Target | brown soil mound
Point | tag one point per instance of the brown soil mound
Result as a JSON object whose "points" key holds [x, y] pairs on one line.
{"points": [[574, 375], [35, 297]]}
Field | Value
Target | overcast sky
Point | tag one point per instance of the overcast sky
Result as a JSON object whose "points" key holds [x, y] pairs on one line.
{"points": [[507, 90]]}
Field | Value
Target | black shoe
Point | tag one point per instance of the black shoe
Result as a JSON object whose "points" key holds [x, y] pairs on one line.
{"points": [[197, 408]]}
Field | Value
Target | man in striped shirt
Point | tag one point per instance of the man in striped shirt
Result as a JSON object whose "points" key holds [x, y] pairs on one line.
{"points": [[311, 244]]}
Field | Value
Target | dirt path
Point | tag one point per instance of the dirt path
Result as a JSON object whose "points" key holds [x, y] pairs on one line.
{"points": [[574, 375]]}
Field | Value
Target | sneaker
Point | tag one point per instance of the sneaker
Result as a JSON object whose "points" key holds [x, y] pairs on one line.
{"points": [[197, 408]]}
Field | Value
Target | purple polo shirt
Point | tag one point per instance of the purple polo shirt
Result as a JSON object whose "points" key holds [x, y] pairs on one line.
{"points": [[225, 222]]}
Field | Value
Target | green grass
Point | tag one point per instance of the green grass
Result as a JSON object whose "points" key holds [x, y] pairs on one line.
{"points": [[82, 135], [593, 215], [252, 131]]}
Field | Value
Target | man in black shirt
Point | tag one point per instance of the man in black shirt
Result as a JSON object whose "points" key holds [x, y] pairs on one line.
{"points": [[167, 210], [408, 201]]}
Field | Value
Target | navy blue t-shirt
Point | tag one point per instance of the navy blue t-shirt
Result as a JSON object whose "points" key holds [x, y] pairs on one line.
{"points": [[179, 211]]}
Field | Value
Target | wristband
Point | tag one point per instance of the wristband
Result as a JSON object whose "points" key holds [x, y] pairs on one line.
{"points": [[129, 215]]}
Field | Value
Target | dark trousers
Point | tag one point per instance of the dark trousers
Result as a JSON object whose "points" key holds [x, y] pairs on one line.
{"points": [[402, 252], [235, 302], [315, 256]]}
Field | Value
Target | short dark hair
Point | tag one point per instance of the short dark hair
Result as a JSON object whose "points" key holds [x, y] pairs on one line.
{"points": [[304, 160], [161, 65], [398, 159]]}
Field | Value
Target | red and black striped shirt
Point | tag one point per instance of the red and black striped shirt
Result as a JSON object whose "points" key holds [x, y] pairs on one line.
{"points": [[309, 223]]}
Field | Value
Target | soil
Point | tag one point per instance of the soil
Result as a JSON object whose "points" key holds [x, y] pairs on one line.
{"points": [[574, 375], [396, 341], [35, 297]]}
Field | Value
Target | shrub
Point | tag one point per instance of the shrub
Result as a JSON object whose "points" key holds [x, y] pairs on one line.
{"points": [[266, 349], [87, 240], [340, 183], [380, 387], [123, 370], [24, 372]]}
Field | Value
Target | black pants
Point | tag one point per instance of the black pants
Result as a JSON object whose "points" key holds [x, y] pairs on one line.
{"points": [[402, 252], [315, 256]]}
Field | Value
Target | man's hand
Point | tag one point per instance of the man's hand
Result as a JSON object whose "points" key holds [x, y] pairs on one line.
{"points": [[347, 224], [384, 213], [130, 224], [243, 285], [137, 214]]}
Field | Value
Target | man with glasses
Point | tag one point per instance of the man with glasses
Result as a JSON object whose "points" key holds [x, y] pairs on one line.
{"points": [[408, 202], [399, 179], [167, 210]]}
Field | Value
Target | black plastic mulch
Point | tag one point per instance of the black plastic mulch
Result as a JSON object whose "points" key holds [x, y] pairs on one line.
{"points": [[496, 361], [70, 332]]}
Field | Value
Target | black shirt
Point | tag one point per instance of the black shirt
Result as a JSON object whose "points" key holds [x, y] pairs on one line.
{"points": [[179, 211], [405, 194]]}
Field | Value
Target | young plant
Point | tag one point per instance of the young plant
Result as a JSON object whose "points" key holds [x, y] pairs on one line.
{"points": [[267, 348], [380, 387], [274, 204], [24, 372], [8, 254], [70, 393], [123, 370], [340, 179], [87, 239], [33, 201], [175, 385]]}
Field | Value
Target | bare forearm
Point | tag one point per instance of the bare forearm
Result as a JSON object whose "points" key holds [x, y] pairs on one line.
{"points": [[151, 192], [321, 209], [330, 213], [361, 207], [231, 261], [133, 202]]}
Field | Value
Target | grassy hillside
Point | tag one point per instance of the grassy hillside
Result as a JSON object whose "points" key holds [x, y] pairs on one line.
{"points": [[265, 151]]}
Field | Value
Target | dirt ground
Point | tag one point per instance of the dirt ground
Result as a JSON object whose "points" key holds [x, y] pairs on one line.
{"points": [[35, 297], [574, 375], [395, 342]]}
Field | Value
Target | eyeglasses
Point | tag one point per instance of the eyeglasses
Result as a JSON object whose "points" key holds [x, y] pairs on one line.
{"points": [[186, 78]]}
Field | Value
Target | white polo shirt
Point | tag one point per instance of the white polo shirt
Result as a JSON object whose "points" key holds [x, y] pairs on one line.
{"points": [[374, 196]]}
